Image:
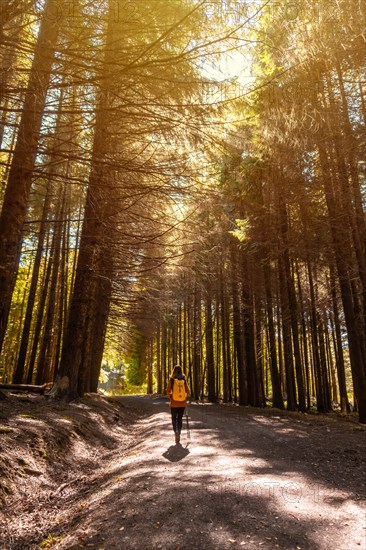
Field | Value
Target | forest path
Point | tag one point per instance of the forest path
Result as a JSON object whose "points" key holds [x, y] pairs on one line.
{"points": [[246, 479]]}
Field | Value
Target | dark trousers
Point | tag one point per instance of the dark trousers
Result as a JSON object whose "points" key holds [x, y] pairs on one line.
{"points": [[177, 418]]}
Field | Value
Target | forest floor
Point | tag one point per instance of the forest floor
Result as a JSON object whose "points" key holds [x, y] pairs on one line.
{"points": [[105, 474]]}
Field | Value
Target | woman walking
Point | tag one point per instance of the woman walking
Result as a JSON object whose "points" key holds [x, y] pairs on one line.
{"points": [[178, 392]]}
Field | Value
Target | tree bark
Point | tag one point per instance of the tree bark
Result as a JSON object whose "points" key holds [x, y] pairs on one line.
{"points": [[238, 331], [342, 248], [19, 370], [39, 320], [249, 335], [18, 188], [196, 341], [72, 375], [210, 349]]}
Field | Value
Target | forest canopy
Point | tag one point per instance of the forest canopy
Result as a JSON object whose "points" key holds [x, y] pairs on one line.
{"points": [[183, 182]]}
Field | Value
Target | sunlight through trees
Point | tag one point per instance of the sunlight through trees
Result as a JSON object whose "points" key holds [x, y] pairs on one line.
{"points": [[184, 182]]}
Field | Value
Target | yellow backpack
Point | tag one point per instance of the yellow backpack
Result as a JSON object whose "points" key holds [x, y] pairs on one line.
{"points": [[179, 390]]}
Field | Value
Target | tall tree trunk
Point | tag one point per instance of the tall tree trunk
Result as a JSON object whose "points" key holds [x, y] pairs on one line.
{"points": [[196, 341], [275, 376], [75, 357], [258, 350], [342, 248], [325, 388], [225, 331], [185, 335], [99, 323], [350, 196], [249, 335], [158, 372], [218, 347], [292, 302], [330, 362], [164, 349], [150, 359], [338, 347], [210, 349], [18, 188], [318, 376], [305, 355], [62, 301], [18, 376], [44, 366], [228, 350], [238, 332], [39, 320], [287, 343]]}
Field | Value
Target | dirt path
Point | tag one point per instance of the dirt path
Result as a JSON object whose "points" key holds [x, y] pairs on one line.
{"points": [[244, 480], [255, 479]]}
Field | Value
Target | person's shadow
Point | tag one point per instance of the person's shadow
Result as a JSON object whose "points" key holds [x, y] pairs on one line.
{"points": [[176, 453]]}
